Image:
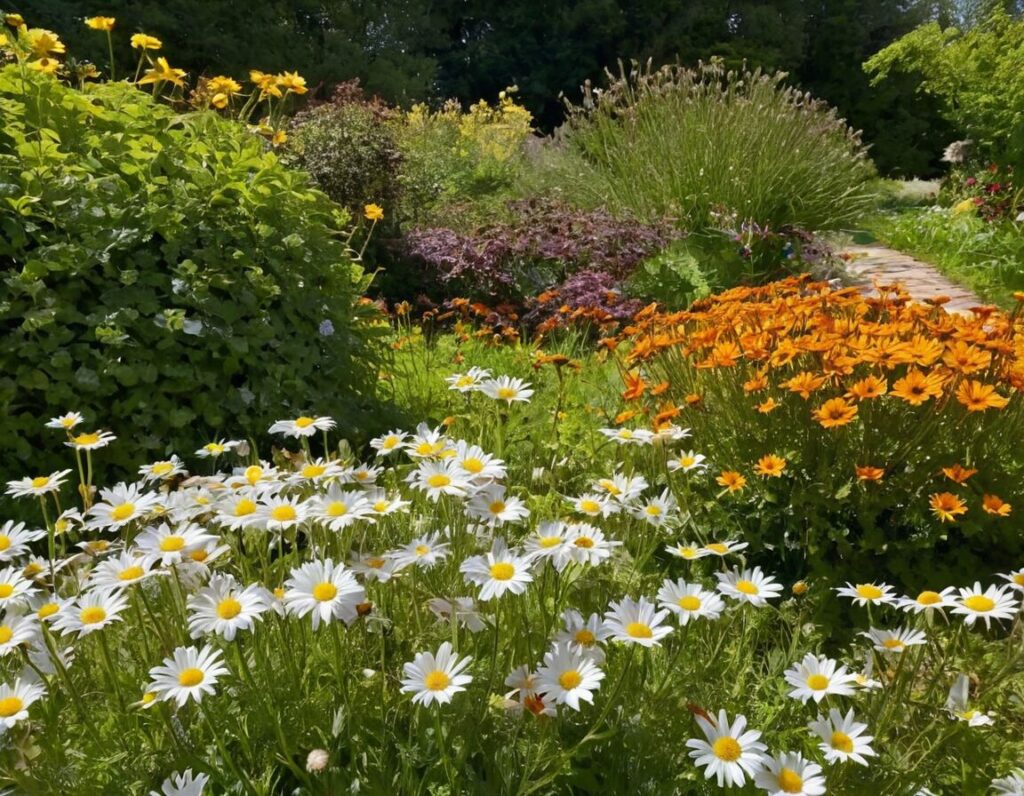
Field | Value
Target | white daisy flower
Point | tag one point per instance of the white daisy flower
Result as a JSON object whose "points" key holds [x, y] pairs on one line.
{"points": [[224, 607], [868, 593], [842, 738], [550, 541], [436, 678], [363, 474], [211, 450], [636, 622], [373, 567], [729, 754], [65, 422], [466, 614], [789, 773], [15, 589], [121, 505], [16, 631], [895, 641], [317, 471], [523, 682], [324, 591], [423, 551], [338, 509], [957, 707], [239, 510], [184, 784], [190, 673], [382, 504], [622, 488], [476, 464], [628, 436], [498, 571], [304, 426], [656, 510], [584, 635], [15, 540], [725, 548], [690, 601], [389, 443], [816, 677], [92, 611], [437, 478], [688, 461], [120, 572], [91, 441], [690, 551], [927, 601], [163, 470], [670, 433], [38, 486], [48, 607], [471, 381], [166, 545], [15, 700], [751, 586], [976, 603], [491, 505], [1015, 578], [1012, 785], [594, 505], [281, 513], [427, 442], [507, 389], [567, 676], [587, 544]]}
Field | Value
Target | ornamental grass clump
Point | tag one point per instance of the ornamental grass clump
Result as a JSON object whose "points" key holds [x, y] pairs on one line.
{"points": [[864, 432], [693, 143]]}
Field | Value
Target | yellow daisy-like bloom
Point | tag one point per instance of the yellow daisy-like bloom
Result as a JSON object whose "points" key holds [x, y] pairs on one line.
{"points": [[14, 20], [292, 81], [45, 65], [161, 72], [101, 23], [267, 84], [142, 41], [45, 42], [374, 212]]}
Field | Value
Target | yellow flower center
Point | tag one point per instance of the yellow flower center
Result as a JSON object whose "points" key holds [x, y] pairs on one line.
{"points": [[131, 573], [472, 465], [687, 552], [979, 603], [790, 781], [584, 637], [389, 442], [590, 506], [718, 547], [421, 549], [49, 609], [279, 592], [92, 615], [375, 563], [727, 749], [283, 513], [190, 677], [161, 468], [424, 449], [253, 473], [746, 586], [313, 471], [9, 706], [122, 512], [550, 541], [172, 544], [437, 680], [609, 486], [689, 603], [1018, 578], [639, 630], [465, 381], [361, 475], [868, 591], [304, 422], [213, 447], [502, 571], [817, 682], [5, 542], [506, 393], [686, 461], [6, 590], [244, 507], [570, 679], [583, 541], [438, 480], [653, 511], [6, 634], [149, 696], [496, 507], [892, 644], [229, 608], [841, 741], [325, 592], [625, 434], [199, 555], [336, 509], [32, 568], [381, 506], [40, 481], [86, 439], [67, 422], [929, 598]]}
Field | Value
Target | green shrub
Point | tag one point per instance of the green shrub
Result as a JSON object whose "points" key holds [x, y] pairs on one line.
{"points": [[163, 274], [701, 143]]}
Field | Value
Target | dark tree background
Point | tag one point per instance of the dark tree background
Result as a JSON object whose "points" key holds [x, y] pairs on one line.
{"points": [[408, 50]]}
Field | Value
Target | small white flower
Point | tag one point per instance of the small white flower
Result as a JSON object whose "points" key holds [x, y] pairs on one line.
{"points": [[15, 540], [506, 388], [868, 593], [842, 738], [15, 700], [594, 505], [587, 544], [727, 752], [121, 505], [895, 641], [636, 622], [190, 673], [688, 461], [751, 586], [471, 381], [466, 614], [927, 600], [789, 773], [38, 486], [93, 440], [656, 510], [92, 611], [338, 509], [171, 545], [725, 548], [976, 603], [388, 443], [120, 572], [16, 631], [184, 784], [211, 450], [689, 552], [304, 426], [426, 442], [437, 478], [15, 589], [628, 436], [1012, 785], [373, 567], [476, 464], [568, 676], [622, 488], [323, 591], [65, 422], [584, 635], [423, 551], [281, 513], [690, 601], [224, 607], [498, 571], [494, 507], [1015, 578], [956, 704], [163, 470], [816, 677], [436, 678]]}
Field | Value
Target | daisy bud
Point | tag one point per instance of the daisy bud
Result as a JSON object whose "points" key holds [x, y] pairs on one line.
{"points": [[800, 588], [316, 761]]}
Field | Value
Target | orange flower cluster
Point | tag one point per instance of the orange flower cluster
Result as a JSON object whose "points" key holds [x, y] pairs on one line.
{"points": [[839, 348]]}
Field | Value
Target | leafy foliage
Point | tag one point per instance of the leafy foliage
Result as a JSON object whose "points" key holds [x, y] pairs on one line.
{"points": [[164, 272]]}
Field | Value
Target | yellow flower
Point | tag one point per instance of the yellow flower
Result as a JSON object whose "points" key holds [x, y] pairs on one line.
{"points": [[224, 85], [267, 84], [162, 71], [279, 137], [141, 41], [44, 42], [101, 23], [14, 20], [373, 212], [965, 206], [292, 81], [45, 65]]}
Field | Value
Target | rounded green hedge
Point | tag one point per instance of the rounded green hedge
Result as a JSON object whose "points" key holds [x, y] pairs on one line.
{"points": [[164, 274]]}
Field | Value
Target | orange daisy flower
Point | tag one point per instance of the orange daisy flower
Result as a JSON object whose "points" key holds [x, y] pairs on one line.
{"points": [[869, 387], [993, 504], [770, 466], [835, 413], [804, 384], [756, 384], [978, 397], [767, 406], [947, 506], [957, 473], [965, 358], [915, 388], [868, 473], [731, 480]]}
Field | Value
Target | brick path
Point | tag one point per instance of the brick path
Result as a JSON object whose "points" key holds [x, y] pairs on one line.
{"points": [[870, 264]]}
